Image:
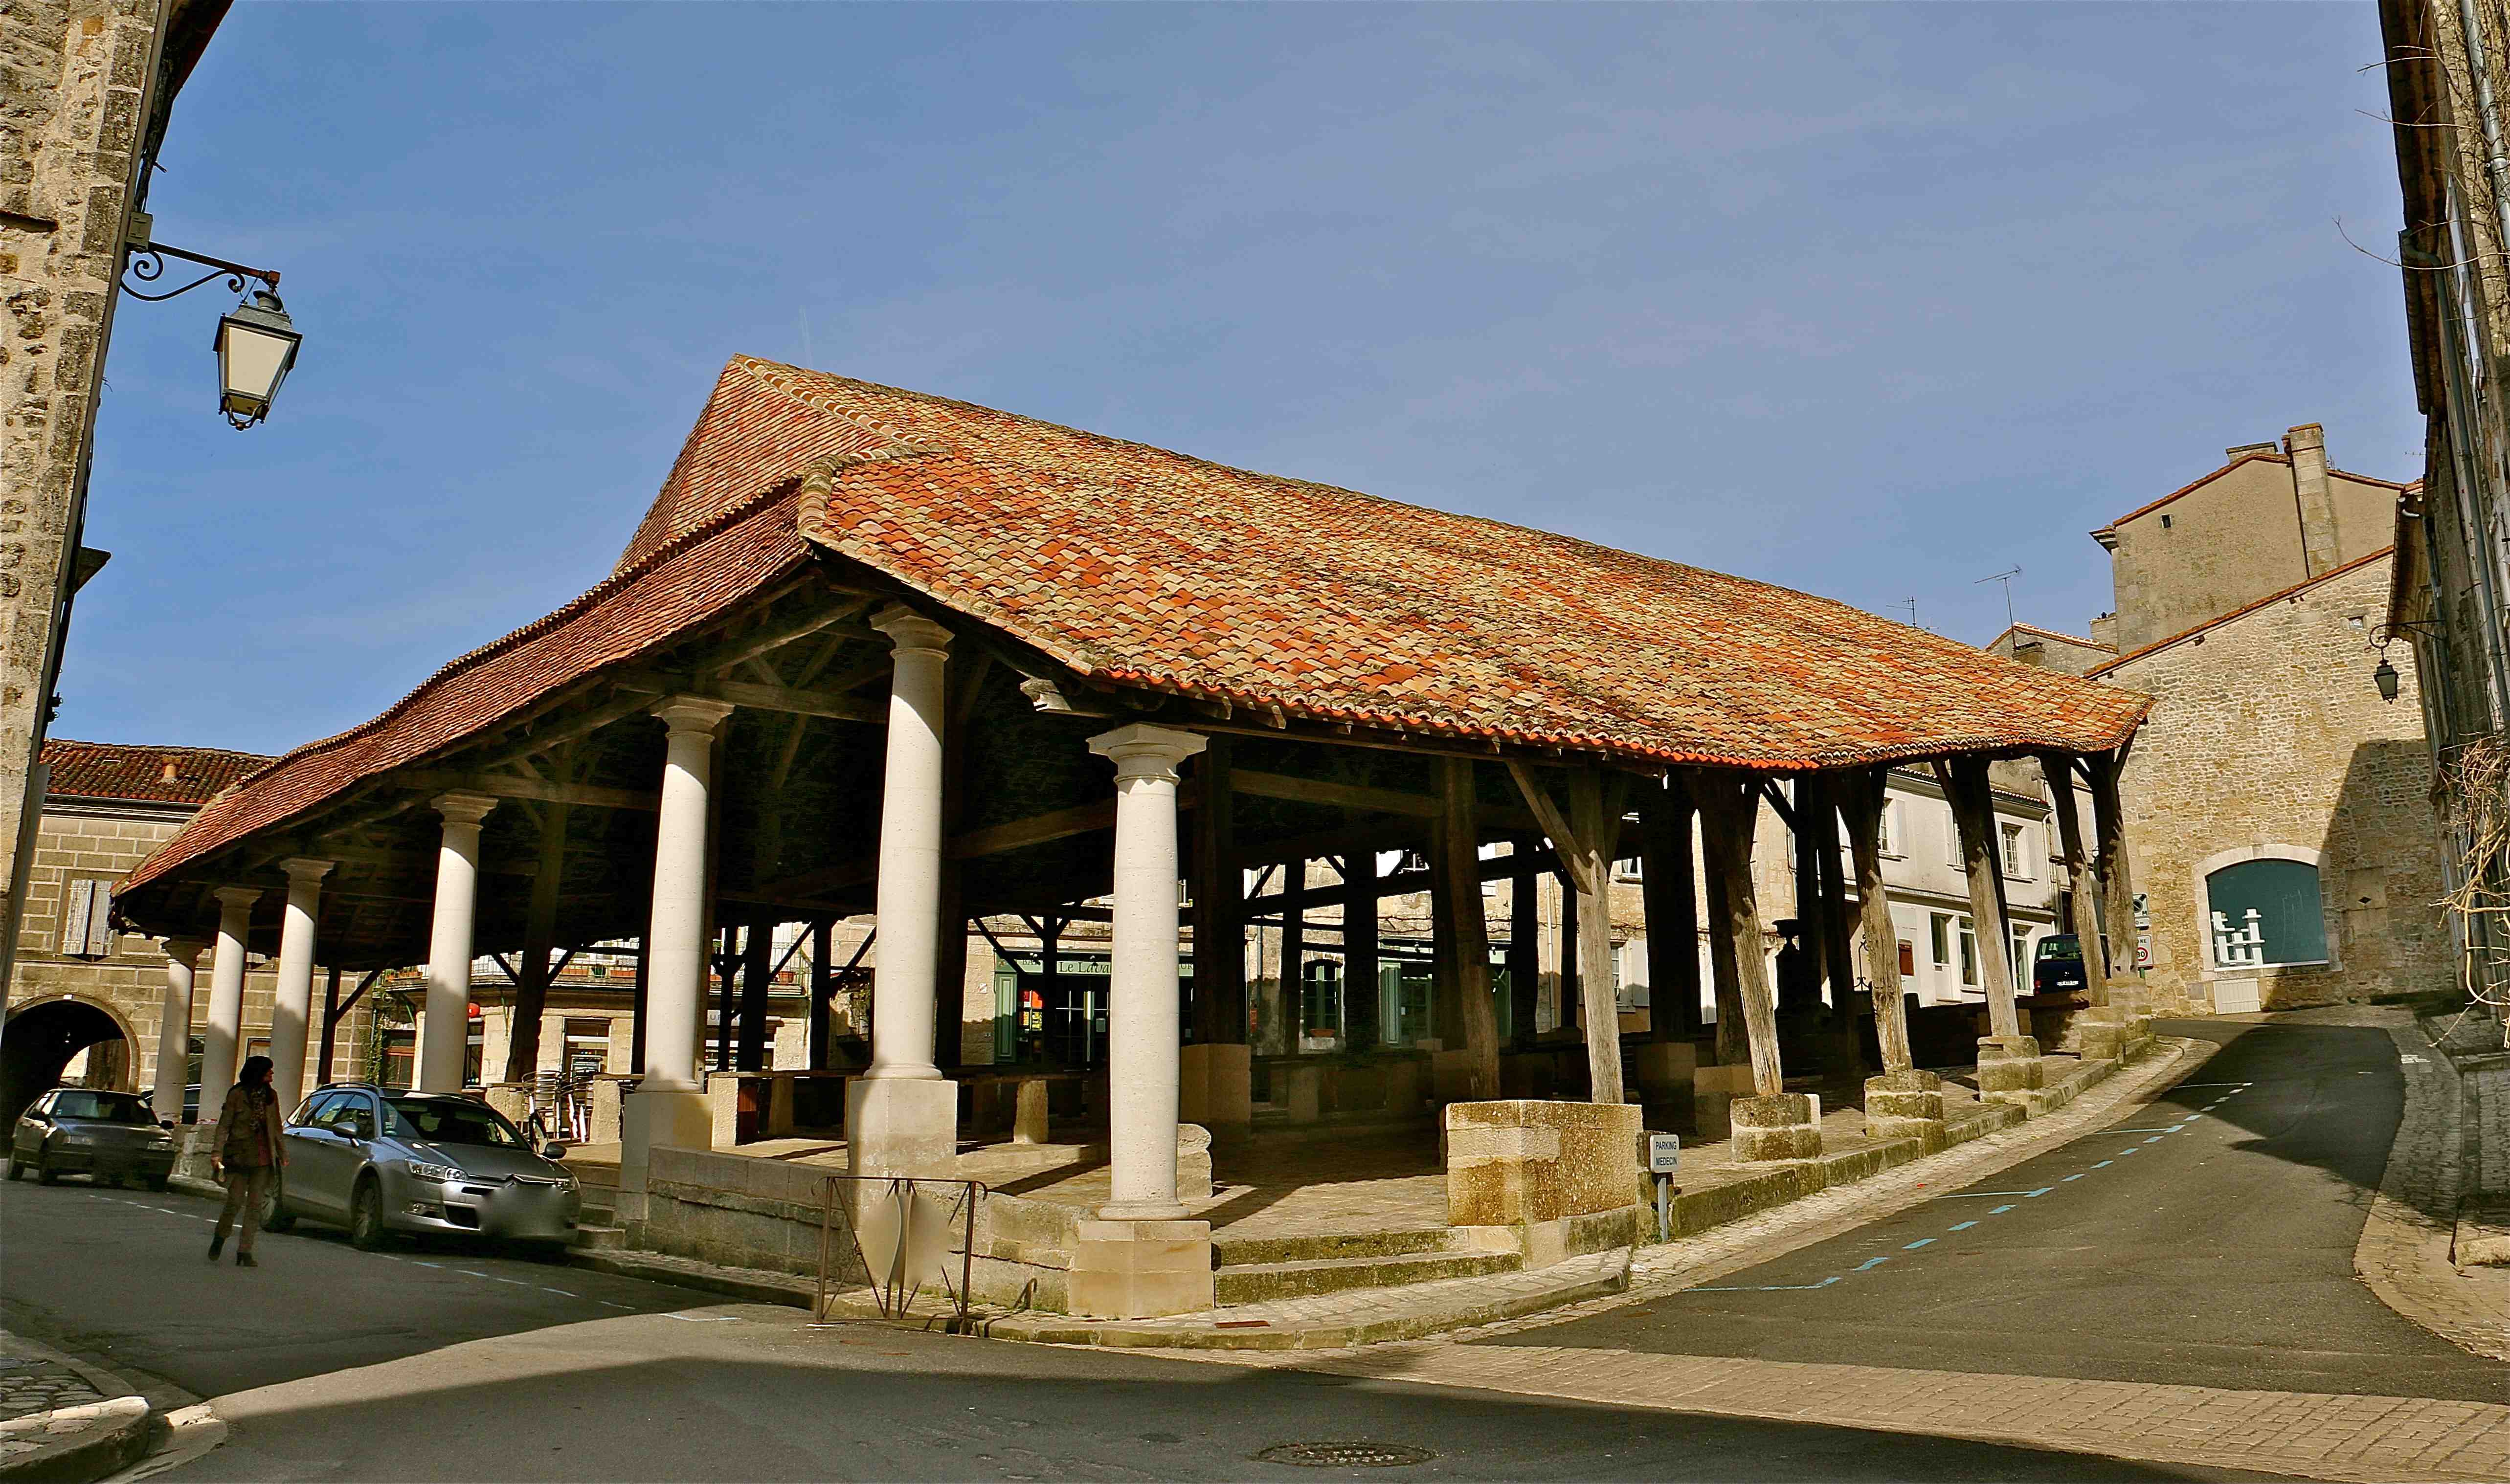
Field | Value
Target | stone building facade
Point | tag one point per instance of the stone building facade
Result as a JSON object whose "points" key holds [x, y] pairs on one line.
{"points": [[86, 999], [2277, 805], [85, 90]]}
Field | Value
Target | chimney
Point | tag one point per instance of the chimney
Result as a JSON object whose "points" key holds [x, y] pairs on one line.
{"points": [[2307, 445]]}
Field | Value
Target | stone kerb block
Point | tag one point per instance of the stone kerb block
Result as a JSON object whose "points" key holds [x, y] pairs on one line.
{"points": [[2008, 1067], [1781, 1128], [1029, 1114], [1906, 1105], [1140, 1269], [1538, 1168]]}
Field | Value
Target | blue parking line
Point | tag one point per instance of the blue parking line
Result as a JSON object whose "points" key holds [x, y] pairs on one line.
{"points": [[2132, 1149], [2104, 1164], [1965, 1226], [2156, 1139], [1915, 1246], [2078, 1174], [1873, 1262], [2000, 1210]]}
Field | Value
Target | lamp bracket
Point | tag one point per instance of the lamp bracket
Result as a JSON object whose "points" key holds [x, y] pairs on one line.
{"points": [[147, 264]]}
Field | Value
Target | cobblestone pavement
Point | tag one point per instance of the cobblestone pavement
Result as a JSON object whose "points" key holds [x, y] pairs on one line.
{"points": [[51, 1408], [28, 1383]]}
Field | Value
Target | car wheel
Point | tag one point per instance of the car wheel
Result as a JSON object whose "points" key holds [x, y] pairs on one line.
{"points": [[367, 1217], [276, 1216], [44, 1174], [15, 1170]]}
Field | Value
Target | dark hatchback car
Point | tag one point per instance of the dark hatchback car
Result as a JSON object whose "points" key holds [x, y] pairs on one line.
{"points": [[108, 1136], [2057, 964]]}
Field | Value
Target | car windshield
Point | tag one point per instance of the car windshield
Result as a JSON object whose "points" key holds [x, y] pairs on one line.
{"points": [[2061, 950], [111, 1107], [450, 1121]]}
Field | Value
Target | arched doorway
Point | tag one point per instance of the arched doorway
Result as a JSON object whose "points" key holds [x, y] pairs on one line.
{"points": [[41, 1038]]}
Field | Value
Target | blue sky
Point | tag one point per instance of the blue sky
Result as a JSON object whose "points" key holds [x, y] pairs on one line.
{"points": [[1866, 301]]}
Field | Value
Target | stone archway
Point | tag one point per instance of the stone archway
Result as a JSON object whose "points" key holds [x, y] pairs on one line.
{"points": [[40, 1039]]}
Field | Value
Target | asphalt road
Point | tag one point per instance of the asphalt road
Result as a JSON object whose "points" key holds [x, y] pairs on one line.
{"points": [[329, 1363], [2205, 1239]]}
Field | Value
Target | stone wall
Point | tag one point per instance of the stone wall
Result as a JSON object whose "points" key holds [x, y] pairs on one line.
{"points": [[74, 77], [2268, 733]]}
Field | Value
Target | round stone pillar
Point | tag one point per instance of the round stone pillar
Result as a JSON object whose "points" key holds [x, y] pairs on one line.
{"points": [[292, 1005], [1142, 985], [448, 942], [175, 1028], [676, 937], [219, 1038], [908, 894]]}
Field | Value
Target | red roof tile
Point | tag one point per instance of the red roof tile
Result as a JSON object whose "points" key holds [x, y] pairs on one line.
{"points": [[85, 769], [1154, 569]]}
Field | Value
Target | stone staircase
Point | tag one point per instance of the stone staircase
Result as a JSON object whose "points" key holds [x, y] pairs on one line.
{"points": [[598, 1228], [1260, 1270]]}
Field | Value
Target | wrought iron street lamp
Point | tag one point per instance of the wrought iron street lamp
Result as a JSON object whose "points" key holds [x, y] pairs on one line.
{"points": [[2385, 678], [256, 343]]}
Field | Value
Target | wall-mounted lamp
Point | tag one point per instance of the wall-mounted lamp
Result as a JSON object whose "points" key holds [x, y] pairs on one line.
{"points": [[255, 343]]}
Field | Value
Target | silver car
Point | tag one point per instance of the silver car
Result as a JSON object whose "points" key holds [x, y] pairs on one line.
{"points": [[107, 1136], [380, 1160]]}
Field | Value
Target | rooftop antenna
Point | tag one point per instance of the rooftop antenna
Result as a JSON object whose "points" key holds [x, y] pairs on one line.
{"points": [[1911, 604], [2005, 577]]}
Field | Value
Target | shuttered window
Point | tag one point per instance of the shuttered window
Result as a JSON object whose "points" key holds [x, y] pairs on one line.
{"points": [[87, 919]]}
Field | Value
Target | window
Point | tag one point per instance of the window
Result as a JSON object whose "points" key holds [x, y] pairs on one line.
{"points": [[1939, 932], [87, 930], [1969, 953], [1886, 829], [2021, 961], [2265, 912], [2017, 858], [1952, 838], [1626, 870]]}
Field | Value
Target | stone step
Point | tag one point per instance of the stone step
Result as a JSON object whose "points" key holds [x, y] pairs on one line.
{"points": [[1264, 1282], [1312, 1246], [595, 1238]]}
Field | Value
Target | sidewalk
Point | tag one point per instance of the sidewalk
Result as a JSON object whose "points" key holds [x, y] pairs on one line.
{"points": [[63, 1420]]}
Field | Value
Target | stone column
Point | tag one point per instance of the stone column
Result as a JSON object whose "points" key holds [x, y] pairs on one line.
{"points": [[222, 1036], [293, 1004], [175, 1028], [1139, 1257], [1904, 1102], [901, 1116], [448, 942], [669, 1105]]}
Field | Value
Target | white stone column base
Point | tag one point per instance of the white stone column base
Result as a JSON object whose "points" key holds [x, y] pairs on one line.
{"points": [[677, 1119], [903, 1126], [1140, 1269]]}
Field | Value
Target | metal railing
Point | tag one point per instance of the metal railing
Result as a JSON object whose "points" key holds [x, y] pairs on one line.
{"points": [[897, 1231]]}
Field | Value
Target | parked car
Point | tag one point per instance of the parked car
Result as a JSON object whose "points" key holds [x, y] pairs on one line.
{"points": [[380, 1160], [191, 1101], [106, 1136], [2057, 964]]}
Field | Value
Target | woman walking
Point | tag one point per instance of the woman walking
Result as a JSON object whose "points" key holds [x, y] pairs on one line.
{"points": [[248, 1156]]}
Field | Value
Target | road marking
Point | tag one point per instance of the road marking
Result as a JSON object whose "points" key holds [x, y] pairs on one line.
{"points": [[438, 1266], [2104, 1164], [2165, 1129], [2078, 1174], [467, 1273], [2218, 1084], [2131, 1149], [2156, 1139], [1745, 1288], [1991, 1194], [1920, 1243], [2000, 1210], [1965, 1226], [726, 1318], [1873, 1262], [562, 1293], [606, 1304], [492, 1277]]}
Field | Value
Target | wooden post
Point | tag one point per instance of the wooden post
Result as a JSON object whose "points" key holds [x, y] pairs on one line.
{"points": [[1050, 993], [1597, 822], [2082, 888], [331, 1025], [1524, 945], [757, 966], [1838, 945], [1564, 996], [1813, 926], [824, 983], [1729, 810], [1965, 783], [1362, 1029], [2111, 864], [1219, 905], [540, 945], [1293, 951], [1863, 797], [1457, 841], [1670, 894]]}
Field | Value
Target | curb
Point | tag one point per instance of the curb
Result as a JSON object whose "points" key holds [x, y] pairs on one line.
{"points": [[76, 1444]]}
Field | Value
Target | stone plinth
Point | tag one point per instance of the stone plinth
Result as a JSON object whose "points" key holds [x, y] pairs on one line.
{"points": [[1906, 1105], [1713, 1091], [513, 1099], [675, 1119], [1783, 1127], [1299, 1089], [903, 1126], [2008, 1067], [1140, 1269], [1029, 1112], [1661, 1070], [1563, 1176], [606, 1101], [1215, 1089]]}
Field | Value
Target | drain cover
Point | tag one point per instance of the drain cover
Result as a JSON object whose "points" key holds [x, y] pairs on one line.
{"points": [[1345, 1454]]}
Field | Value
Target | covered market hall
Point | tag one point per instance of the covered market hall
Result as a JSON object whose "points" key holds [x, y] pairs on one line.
{"points": [[884, 657]]}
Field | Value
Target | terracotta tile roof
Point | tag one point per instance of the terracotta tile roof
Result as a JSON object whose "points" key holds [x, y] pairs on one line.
{"points": [[2052, 633], [2243, 611], [1157, 570], [85, 769]]}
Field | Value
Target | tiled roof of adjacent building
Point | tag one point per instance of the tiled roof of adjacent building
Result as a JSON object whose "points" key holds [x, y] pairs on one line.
{"points": [[1144, 568], [2243, 611], [85, 769]]}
